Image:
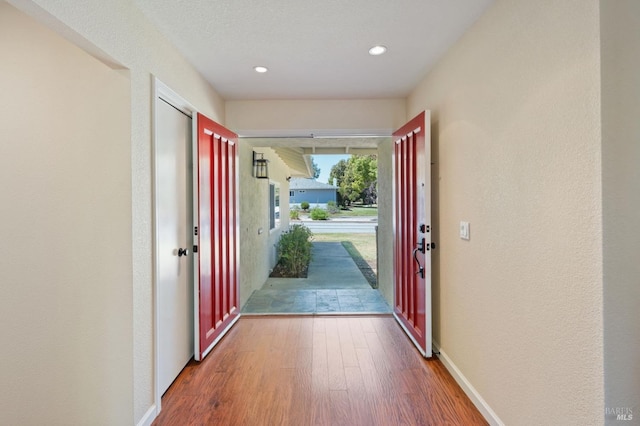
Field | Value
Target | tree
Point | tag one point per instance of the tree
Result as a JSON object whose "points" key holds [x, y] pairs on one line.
{"points": [[335, 178], [356, 179], [370, 194], [337, 173], [316, 168]]}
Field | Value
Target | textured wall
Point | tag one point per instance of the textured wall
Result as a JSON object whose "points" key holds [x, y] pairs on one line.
{"points": [[65, 220], [255, 248], [116, 30], [516, 122], [385, 221], [620, 22]]}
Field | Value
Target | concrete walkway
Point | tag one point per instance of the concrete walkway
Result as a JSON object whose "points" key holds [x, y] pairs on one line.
{"points": [[334, 285]]}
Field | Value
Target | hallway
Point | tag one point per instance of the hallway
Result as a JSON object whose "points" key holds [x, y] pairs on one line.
{"points": [[336, 370]]}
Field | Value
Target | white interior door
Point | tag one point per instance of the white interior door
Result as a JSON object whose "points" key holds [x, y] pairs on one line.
{"points": [[174, 220]]}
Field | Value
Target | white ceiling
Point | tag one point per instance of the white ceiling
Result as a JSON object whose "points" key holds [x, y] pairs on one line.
{"points": [[314, 49]]}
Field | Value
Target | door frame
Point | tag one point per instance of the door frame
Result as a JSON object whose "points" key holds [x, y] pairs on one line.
{"points": [[161, 92]]}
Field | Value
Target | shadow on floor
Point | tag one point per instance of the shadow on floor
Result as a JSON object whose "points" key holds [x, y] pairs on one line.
{"points": [[334, 285]]}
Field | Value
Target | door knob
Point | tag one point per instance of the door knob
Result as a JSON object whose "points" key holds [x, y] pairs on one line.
{"points": [[183, 252]]}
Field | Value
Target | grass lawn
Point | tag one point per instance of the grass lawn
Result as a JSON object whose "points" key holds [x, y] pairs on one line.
{"points": [[356, 211]]}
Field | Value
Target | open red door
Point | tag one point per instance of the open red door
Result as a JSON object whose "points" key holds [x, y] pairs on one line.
{"points": [[215, 234], [412, 230]]}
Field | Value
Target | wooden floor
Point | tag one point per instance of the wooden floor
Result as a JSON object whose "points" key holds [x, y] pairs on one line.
{"points": [[316, 371]]}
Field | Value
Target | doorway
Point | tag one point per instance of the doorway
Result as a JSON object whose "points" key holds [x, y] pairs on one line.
{"points": [[173, 212], [341, 277], [195, 230], [405, 234]]}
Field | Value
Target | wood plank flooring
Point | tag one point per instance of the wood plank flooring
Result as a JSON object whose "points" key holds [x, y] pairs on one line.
{"points": [[313, 370]]}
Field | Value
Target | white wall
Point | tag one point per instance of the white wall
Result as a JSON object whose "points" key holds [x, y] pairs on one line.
{"points": [[65, 220], [118, 33], [620, 22], [321, 117], [516, 126]]}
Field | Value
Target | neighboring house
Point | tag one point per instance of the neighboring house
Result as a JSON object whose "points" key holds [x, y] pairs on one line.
{"points": [[311, 191]]}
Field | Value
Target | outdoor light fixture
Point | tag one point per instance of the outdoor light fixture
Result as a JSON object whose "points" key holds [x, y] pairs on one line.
{"points": [[260, 168]]}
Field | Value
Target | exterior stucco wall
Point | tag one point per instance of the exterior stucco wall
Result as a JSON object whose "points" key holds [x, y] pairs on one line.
{"points": [[257, 249]]}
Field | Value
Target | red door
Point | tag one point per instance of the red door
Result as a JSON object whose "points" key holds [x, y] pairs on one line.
{"points": [[412, 231], [216, 233]]}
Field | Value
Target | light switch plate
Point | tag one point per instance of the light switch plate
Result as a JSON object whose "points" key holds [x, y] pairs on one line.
{"points": [[464, 230]]}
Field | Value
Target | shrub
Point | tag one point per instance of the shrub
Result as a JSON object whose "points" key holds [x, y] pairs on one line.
{"points": [[304, 205], [294, 214], [294, 250], [319, 214], [332, 207]]}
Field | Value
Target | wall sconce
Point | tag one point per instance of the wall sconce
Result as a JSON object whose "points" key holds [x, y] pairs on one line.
{"points": [[260, 168]]}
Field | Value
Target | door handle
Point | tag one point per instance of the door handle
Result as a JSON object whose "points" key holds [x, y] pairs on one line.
{"points": [[420, 270], [183, 252]]}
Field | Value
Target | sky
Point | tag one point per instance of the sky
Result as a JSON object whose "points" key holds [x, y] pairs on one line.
{"points": [[325, 162]]}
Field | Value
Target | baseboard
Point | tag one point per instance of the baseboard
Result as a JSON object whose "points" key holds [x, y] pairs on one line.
{"points": [[468, 388], [148, 417]]}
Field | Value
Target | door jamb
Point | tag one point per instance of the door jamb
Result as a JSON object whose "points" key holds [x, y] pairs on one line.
{"points": [[160, 92]]}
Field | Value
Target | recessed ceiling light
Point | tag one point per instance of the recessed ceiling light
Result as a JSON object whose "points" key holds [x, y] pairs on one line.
{"points": [[377, 50], [261, 70]]}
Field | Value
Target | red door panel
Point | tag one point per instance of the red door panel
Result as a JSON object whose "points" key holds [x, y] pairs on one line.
{"points": [[216, 268], [412, 231]]}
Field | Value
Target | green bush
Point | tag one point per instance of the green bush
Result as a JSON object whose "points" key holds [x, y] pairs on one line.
{"points": [[294, 214], [332, 207], [319, 214], [304, 205], [294, 250]]}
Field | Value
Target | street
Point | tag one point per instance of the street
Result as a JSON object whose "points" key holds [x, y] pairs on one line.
{"points": [[366, 226]]}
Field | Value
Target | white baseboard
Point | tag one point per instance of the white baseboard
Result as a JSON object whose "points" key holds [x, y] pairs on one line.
{"points": [[148, 417], [468, 388]]}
